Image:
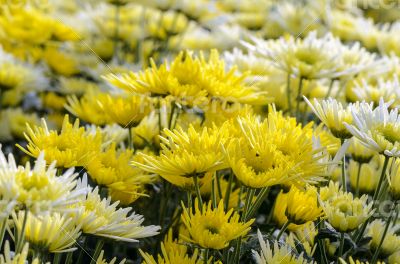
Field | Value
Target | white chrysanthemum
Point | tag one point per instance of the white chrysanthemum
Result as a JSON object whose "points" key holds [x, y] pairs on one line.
{"points": [[378, 129], [99, 217], [38, 188], [9, 257], [278, 254], [387, 90], [333, 114], [309, 58]]}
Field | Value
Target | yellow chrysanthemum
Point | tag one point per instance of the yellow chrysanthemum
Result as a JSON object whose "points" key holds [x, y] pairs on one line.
{"points": [[279, 212], [126, 110], [346, 213], [60, 62], [53, 101], [73, 146], [187, 153], [173, 251], [366, 177], [302, 206], [99, 217], [191, 80], [15, 120], [89, 107], [359, 152], [213, 228], [395, 180], [274, 151], [48, 232], [391, 243]]}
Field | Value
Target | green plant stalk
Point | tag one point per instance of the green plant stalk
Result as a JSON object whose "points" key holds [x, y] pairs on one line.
{"points": [[376, 254], [57, 258], [213, 194], [3, 231], [205, 256], [249, 199], [344, 183], [358, 180], [288, 93], [97, 251], [68, 259], [260, 198], [341, 245], [21, 233], [283, 229], [197, 188], [330, 88], [298, 98], [228, 191], [381, 179]]}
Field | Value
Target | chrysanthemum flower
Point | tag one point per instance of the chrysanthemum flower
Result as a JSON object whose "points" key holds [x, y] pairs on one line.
{"points": [[395, 180], [333, 114], [277, 254], [378, 129], [38, 189], [174, 251], [346, 213], [279, 212], [302, 206], [359, 152], [309, 58], [99, 217], [213, 228], [9, 257], [126, 110], [390, 244], [274, 151], [190, 80], [186, 153], [51, 232], [367, 179], [73, 146]]}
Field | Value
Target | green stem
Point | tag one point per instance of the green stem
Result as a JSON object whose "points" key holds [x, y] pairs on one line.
{"points": [[21, 233], [57, 258], [288, 93], [213, 194], [219, 186], [97, 250], [249, 199], [358, 180], [80, 256], [376, 254], [259, 200], [197, 188], [68, 259], [237, 250], [330, 88], [341, 246], [283, 229], [205, 256], [171, 116], [298, 99], [344, 184], [3, 230], [381, 179], [130, 139], [228, 191], [397, 214]]}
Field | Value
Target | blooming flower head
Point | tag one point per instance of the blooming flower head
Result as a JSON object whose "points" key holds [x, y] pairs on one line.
{"points": [[186, 153], [368, 178], [274, 151], [378, 129], [173, 251], [279, 212], [190, 81], [277, 254], [51, 232], [309, 58], [346, 213], [99, 217], [391, 243], [38, 189], [302, 206], [360, 152], [70, 147], [213, 228], [333, 114], [395, 180]]}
